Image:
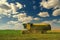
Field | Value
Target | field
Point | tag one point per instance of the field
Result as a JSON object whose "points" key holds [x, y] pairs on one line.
{"points": [[16, 35]]}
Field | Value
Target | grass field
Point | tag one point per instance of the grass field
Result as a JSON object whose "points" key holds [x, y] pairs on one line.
{"points": [[16, 35]]}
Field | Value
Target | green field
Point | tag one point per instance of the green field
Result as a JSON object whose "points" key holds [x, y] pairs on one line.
{"points": [[16, 35]]}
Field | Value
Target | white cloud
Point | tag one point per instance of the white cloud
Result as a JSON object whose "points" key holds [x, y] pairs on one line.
{"points": [[8, 9], [13, 7], [12, 22], [56, 12], [2, 1], [24, 5], [15, 25], [50, 4], [5, 12], [4, 27], [43, 14], [24, 18], [15, 16], [0, 17], [54, 23], [21, 15], [4, 6], [19, 5], [36, 18]]}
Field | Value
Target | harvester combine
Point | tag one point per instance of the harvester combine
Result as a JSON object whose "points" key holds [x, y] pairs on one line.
{"points": [[36, 28]]}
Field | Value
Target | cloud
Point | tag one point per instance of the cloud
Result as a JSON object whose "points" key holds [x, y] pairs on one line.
{"points": [[43, 14], [56, 21], [50, 4], [15, 16], [14, 7], [19, 5], [4, 6], [22, 15], [5, 12], [12, 22], [15, 25], [8, 9], [0, 17], [5, 27], [53, 21], [24, 18], [2, 1], [56, 12], [36, 18], [55, 24]]}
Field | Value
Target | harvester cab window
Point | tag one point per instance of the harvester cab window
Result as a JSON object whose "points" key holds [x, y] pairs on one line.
{"points": [[25, 26]]}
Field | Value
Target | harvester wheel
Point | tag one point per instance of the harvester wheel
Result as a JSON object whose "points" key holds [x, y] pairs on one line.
{"points": [[25, 32]]}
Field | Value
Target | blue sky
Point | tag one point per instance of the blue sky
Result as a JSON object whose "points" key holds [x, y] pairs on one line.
{"points": [[32, 11]]}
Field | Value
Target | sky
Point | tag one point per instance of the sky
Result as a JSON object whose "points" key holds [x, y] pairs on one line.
{"points": [[13, 13]]}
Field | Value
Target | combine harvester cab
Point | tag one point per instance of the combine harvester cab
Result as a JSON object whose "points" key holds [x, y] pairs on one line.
{"points": [[36, 28]]}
